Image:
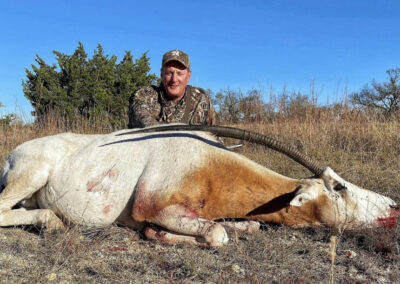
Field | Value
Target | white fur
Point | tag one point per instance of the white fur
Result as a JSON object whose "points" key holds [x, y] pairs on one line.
{"points": [[58, 169], [92, 179]]}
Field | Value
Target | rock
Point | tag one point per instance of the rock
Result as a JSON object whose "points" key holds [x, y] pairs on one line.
{"points": [[349, 253], [236, 268]]}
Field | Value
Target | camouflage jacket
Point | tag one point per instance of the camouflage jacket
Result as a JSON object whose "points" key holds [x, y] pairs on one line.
{"points": [[149, 106]]}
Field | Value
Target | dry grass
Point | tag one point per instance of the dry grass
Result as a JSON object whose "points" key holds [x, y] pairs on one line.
{"points": [[364, 152]]}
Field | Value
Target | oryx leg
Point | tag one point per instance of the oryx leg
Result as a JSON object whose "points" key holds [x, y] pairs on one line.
{"points": [[243, 226], [179, 219], [172, 239], [39, 217], [20, 187]]}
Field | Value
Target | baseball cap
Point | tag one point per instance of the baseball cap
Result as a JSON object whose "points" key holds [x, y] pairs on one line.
{"points": [[176, 55]]}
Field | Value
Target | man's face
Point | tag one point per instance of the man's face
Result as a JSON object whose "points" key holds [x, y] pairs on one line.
{"points": [[175, 77]]}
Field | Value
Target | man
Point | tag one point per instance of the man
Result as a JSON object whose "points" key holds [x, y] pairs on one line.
{"points": [[173, 100]]}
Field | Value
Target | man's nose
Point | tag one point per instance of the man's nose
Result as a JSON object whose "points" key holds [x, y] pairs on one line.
{"points": [[173, 77]]}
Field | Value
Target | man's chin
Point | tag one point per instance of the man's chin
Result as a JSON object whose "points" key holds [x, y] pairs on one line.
{"points": [[173, 94]]}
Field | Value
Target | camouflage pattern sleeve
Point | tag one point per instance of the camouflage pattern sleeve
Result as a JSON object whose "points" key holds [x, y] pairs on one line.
{"points": [[144, 108]]}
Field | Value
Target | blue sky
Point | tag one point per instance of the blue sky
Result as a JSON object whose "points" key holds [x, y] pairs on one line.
{"points": [[236, 44]]}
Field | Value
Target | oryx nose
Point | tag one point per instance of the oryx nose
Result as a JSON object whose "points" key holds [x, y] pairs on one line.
{"points": [[395, 207]]}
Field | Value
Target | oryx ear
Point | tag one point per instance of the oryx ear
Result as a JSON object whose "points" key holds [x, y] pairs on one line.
{"points": [[300, 199], [303, 195]]}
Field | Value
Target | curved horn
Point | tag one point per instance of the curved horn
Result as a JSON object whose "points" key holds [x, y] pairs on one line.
{"points": [[231, 132]]}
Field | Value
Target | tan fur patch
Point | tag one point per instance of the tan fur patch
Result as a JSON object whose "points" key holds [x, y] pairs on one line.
{"points": [[232, 188], [227, 189]]}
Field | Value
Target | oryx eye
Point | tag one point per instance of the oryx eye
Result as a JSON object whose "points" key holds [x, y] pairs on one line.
{"points": [[339, 187]]}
